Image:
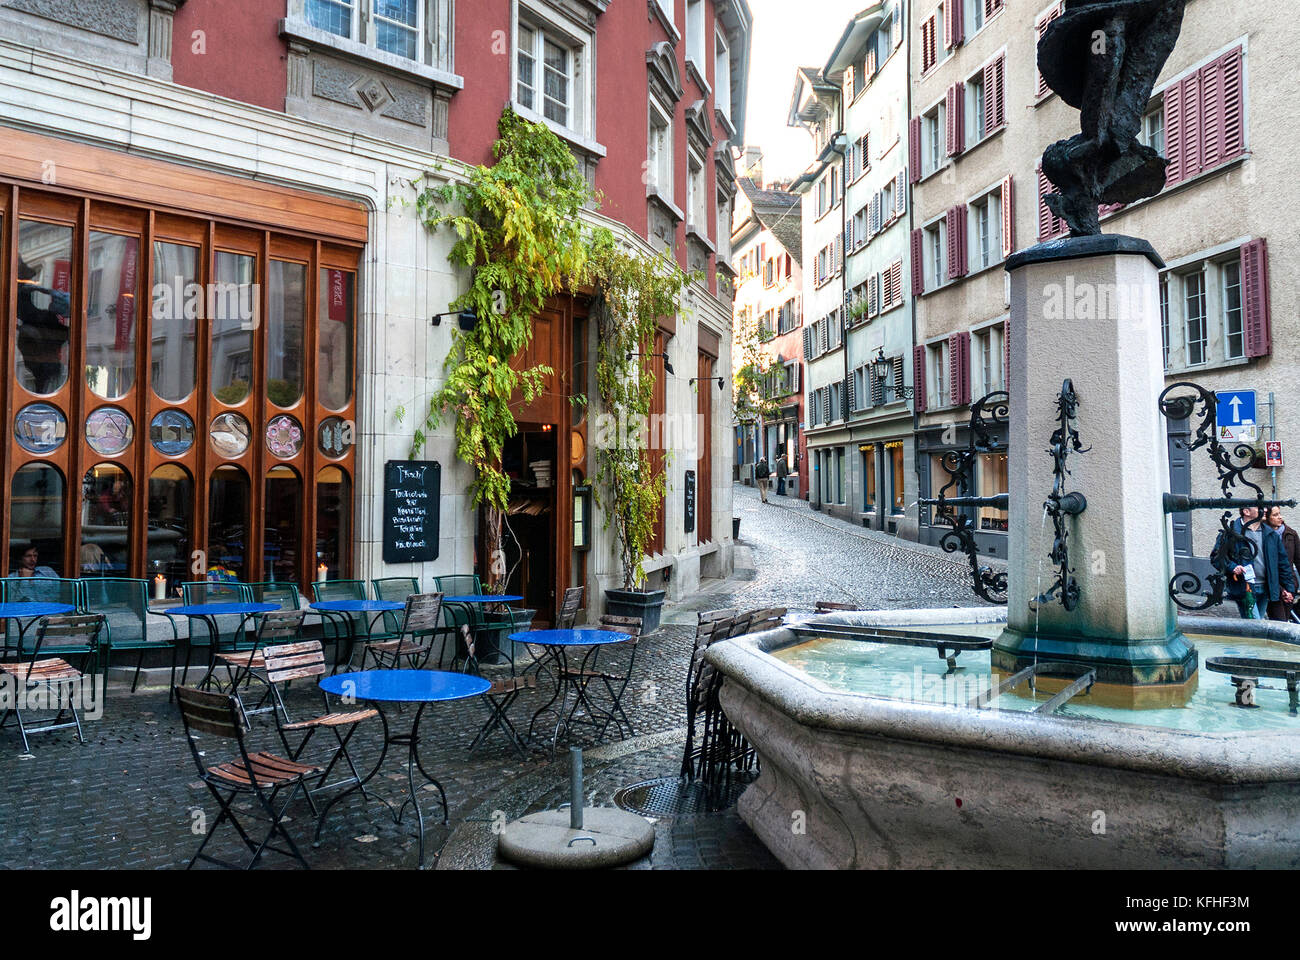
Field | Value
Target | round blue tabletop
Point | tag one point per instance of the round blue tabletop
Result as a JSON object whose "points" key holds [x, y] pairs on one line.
{"points": [[358, 606], [32, 608], [405, 686], [483, 598], [570, 638], [217, 609]]}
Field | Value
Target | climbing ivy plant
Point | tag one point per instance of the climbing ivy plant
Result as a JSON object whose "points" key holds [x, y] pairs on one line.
{"points": [[519, 234], [632, 292]]}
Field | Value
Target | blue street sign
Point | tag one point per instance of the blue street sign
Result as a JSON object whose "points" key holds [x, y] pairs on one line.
{"points": [[1236, 407]]}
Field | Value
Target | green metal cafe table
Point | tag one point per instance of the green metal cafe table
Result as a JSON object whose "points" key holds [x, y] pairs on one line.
{"points": [[383, 687]]}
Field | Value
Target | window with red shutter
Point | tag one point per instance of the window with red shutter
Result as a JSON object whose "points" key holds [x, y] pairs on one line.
{"points": [[1049, 225], [1256, 306], [918, 264], [1234, 106], [914, 148], [995, 114], [958, 19], [956, 111], [1175, 134], [1043, 89], [918, 377], [961, 394], [957, 242]]}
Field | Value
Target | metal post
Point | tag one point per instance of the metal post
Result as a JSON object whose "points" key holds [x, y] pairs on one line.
{"points": [[575, 788], [1272, 435]]}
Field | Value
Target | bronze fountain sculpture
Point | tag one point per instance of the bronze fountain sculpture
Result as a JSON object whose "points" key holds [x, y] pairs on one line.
{"points": [[1103, 58]]}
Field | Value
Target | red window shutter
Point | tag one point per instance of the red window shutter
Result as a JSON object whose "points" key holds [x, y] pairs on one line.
{"points": [[991, 7], [918, 264], [1043, 88], [848, 84], [954, 370], [927, 44], [1256, 306], [1193, 118], [995, 114], [1049, 225], [956, 110], [1234, 107], [914, 148], [1211, 114], [947, 25], [1175, 134], [1008, 219], [963, 368], [957, 241], [956, 16], [918, 377], [1006, 354]]}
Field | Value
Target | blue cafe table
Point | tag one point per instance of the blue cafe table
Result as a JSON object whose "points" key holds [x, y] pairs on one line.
{"points": [[29, 610], [556, 645], [471, 600], [345, 608], [207, 614], [381, 687]]}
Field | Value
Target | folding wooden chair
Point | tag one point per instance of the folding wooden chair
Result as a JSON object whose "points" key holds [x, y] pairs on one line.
{"points": [[418, 633], [49, 679], [569, 608], [242, 666], [301, 661], [262, 774]]}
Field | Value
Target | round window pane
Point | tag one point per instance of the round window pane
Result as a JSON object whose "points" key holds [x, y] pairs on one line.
{"points": [[230, 435], [40, 428], [334, 436], [172, 432], [284, 437], [109, 431]]}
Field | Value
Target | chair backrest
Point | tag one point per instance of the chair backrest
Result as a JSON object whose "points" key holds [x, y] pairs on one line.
{"points": [[214, 591], [124, 602], [459, 585], [339, 590], [214, 713], [394, 588], [279, 625], [67, 634], [706, 616], [294, 661], [764, 619], [423, 613], [275, 591], [629, 625], [569, 608]]}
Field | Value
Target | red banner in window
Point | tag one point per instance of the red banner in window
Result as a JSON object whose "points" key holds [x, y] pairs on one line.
{"points": [[337, 293], [62, 281], [125, 315]]}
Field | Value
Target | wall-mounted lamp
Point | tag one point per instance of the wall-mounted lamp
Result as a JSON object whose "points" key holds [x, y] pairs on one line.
{"points": [[695, 380], [883, 368], [466, 318], [668, 367]]}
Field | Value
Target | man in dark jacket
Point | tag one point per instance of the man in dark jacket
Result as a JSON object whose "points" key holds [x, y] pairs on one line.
{"points": [[1258, 577], [761, 473], [782, 471], [1281, 609]]}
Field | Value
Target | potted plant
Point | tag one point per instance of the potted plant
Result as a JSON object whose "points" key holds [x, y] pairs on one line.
{"points": [[632, 292]]}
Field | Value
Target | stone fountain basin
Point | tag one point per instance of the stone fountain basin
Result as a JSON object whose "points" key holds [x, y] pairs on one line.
{"points": [[850, 780]]}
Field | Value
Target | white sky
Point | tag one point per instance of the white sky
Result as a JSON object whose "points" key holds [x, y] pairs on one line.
{"points": [[787, 34]]}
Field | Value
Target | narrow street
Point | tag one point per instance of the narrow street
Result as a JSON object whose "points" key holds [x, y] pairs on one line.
{"points": [[789, 555]]}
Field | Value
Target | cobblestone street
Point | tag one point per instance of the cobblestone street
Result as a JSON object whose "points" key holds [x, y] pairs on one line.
{"points": [[130, 797]]}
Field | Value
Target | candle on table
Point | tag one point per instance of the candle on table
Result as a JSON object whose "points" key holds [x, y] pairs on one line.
{"points": [[160, 587]]}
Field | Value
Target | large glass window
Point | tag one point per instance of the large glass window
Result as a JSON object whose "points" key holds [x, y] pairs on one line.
{"points": [[282, 533], [177, 305], [896, 478], [1234, 338], [105, 522], [333, 522], [171, 532], [992, 480], [868, 479], [36, 522], [231, 325], [111, 305], [334, 338], [286, 313], [45, 289], [1194, 298], [228, 502], [397, 27]]}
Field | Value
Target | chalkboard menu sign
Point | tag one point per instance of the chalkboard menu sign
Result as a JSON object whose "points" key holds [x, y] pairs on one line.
{"points": [[690, 500], [411, 505]]}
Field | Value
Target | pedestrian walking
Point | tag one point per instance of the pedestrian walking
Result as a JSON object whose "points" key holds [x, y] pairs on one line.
{"points": [[1281, 609], [761, 473], [1254, 578], [782, 471]]}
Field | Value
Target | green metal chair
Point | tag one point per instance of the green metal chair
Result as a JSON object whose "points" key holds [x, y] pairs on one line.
{"points": [[70, 645], [38, 590], [353, 625], [213, 591], [395, 588], [124, 604], [459, 585]]}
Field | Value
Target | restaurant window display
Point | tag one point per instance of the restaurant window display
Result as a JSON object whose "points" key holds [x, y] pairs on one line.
{"points": [[993, 477], [197, 438]]}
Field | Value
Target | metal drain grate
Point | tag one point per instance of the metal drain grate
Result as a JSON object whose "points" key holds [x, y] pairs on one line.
{"points": [[674, 797]]}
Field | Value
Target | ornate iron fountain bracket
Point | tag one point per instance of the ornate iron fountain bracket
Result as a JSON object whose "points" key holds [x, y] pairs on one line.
{"points": [[1231, 466], [1061, 505], [987, 413]]}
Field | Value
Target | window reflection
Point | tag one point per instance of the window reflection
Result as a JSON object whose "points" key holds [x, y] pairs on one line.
{"points": [[178, 302], [334, 354], [231, 319], [105, 522], [285, 313], [111, 314], [228, 497], [283, 523], [44, 305], [36, 522], [171, 508], [333, 521]]}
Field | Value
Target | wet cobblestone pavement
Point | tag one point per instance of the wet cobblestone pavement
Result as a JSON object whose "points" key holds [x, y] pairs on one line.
{"points": [[130, 796]]}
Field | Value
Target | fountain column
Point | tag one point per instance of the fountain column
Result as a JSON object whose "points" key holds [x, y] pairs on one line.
{"points": [[1088, 309]]}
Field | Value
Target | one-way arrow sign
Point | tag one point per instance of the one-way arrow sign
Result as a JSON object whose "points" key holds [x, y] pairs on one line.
{"points": [[1236, 415]]}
